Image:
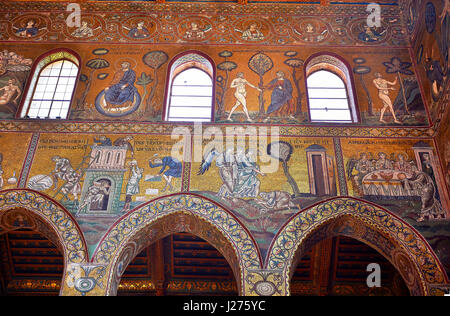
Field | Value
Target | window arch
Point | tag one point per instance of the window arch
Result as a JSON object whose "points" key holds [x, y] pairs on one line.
{"points": [[190, 90], [52, 85], [330, 90]]}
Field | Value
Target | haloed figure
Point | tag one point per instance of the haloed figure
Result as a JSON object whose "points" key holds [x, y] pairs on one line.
{"points": [[122, 87], [281, 99]]}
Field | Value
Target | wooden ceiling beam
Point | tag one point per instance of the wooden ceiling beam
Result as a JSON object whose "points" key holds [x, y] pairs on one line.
{"points": [[4, 274], [157, 264], [322, 261]]}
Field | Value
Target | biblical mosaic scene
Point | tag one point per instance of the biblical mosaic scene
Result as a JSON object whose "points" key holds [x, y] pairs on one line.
{"points": [[112, 160]]}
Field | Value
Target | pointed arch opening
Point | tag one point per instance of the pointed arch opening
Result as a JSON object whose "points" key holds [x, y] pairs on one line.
{"points": [[33, 262], [180, 264], [221, 229], [389, 235], [339, 260], [39, 212], [157, 232], [64, 229]]}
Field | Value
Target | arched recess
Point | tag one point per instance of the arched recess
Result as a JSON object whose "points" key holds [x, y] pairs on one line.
{"points": [[53, 221], [409, 253], [216, 225]]}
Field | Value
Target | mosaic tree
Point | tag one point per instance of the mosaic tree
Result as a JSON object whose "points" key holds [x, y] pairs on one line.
{"points": [[282, 151], [260, 63], [154, 60], [295, 63], [144, 80], [93, 64], [222, 82], [362, 70], [396, 66]]}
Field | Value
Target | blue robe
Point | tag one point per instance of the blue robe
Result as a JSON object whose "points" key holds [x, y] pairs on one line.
{"points": [[445, 35], [366, 37], [279, 96], [175, 167], [105, 142], [136, 33], [31, 31], [116, 95]]}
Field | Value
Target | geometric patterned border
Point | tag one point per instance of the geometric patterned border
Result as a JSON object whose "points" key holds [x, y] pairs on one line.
{"points": [[343, 190], [164, 128], [283, 249], [28, 160]]}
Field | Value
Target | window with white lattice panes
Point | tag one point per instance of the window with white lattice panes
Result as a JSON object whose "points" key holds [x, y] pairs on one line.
{"points": [[52, 91], [190, 91], [328, 98]]}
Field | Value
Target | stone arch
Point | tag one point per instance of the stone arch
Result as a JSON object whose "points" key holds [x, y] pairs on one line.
{"points": [[53, 221], [172, 223], [214, 223], [401, 244]]}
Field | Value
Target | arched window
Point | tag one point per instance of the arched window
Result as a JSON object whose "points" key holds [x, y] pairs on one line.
{"points": [[189, 96], [52, 85], [329, 89]]}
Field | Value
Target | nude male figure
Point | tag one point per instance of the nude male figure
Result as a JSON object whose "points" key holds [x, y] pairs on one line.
{"points": [[240, 94], [8, 92], [383, 94]]}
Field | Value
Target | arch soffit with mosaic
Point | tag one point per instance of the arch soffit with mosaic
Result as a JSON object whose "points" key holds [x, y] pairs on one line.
{"points": [[172, 223], [123, 232], [64, 226], [410, 244]]}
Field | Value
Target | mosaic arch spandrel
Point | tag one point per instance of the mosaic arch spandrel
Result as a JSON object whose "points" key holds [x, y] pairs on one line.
{"points": [[261, 188], [411, 254], [68, 234], [99, 178]]}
